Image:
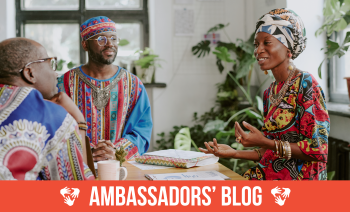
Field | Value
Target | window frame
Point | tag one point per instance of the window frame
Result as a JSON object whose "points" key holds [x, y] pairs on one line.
{"points": [[80, 16], [332, 71]]}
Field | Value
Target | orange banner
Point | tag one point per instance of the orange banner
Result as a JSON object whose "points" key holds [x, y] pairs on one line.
{"points": [[174, 196]]}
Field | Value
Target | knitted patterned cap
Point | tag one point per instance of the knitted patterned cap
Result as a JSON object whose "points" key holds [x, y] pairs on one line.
{"points": [[95, 26]]}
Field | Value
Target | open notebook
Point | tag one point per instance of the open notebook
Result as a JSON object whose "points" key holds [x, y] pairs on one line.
{"points": [[177, 158], [198, 175]]}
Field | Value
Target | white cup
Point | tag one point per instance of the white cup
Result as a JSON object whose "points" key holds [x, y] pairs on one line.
{"points": [[110, 170]]}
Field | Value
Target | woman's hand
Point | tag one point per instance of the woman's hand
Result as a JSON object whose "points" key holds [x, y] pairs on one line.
{"points": [[251, 139], [68, 104], [219, 150]]}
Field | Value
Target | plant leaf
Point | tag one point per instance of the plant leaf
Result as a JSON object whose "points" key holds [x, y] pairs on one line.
{"points": [[253, 114], [146, 61], [224, 94], [183, 139], [60, 65], [219, 65], [333, 49], [260, 122], [223, 133], [123, 42], [217, 125], [202, 48], [222, 53], [330, 175], [340, 25], [320, 69], [217, 27], [248, 47], [245, 65], [259, 104], [237, 146], [70, 65], [229, 46]]}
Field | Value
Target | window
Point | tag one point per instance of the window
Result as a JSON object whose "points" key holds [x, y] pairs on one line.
{"points": [[55, 24], [338, 69]]}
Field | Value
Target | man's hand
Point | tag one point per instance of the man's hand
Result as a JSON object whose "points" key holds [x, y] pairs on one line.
{"points": [[68, 104], [104, 150]]}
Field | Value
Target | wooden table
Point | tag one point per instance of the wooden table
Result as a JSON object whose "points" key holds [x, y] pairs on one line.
{"points": [[135, 173]]}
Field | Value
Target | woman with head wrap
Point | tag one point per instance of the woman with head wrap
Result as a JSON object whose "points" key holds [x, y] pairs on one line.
{"points": [[293, 145]]}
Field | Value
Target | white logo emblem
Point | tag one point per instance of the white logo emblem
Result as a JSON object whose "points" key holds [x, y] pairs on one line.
{"points": [[69, 196], [280, 198]]}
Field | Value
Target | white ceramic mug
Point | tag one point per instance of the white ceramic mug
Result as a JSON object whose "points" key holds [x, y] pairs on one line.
{"points": [[110, 170]]}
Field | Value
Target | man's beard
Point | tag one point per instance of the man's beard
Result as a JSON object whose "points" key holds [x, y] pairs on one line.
{"points": [[98, 57]]}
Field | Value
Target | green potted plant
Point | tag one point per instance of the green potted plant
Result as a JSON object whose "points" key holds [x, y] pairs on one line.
{"points": [[336, 18], [219, 121], [146, 65], [120, 155]]}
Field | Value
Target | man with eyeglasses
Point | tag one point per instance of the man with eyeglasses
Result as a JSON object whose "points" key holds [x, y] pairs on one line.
{"points": [[39, 140], [114, 101]]}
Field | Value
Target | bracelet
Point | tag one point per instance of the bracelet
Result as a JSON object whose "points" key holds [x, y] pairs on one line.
{"points": [[285, 149], [277, 153], [82, 126], [289, 150], [281, 148], [259, 154]]}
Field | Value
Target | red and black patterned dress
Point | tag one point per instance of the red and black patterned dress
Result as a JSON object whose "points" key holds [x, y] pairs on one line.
{"points": [[300, 118]]}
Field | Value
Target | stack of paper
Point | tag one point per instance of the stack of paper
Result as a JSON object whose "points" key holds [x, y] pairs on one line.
{"points": [[199, 175], [177, 158]]}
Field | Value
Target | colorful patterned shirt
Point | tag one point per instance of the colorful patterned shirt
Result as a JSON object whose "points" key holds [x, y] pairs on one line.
{"points": [[39, 140], [300, 118], [125, 120]]}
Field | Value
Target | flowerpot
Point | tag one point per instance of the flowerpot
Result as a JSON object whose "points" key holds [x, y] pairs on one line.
{"points": [[145, 75], [139, 72], [348, 82]]}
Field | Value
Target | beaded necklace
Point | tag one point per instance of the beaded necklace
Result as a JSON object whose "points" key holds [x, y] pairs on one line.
{"points": [[276, 99]]}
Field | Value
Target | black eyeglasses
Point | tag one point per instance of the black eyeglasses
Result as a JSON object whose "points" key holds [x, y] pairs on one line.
{"points": [[53, 63], [102, 40]]}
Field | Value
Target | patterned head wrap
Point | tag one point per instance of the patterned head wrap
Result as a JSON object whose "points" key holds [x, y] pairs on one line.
{"points": [[287, 27], [95, 26]]}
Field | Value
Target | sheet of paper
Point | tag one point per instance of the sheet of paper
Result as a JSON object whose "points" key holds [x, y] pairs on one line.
{"points": [[199, 175], [147, 166], [208, 178], [207, 161], [95, 165], [184, 22], [177, 154], [187, 2]]}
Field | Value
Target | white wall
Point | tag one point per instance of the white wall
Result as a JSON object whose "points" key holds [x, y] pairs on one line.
{"points": [[190, 81], [312, 57], [8, 17]]}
